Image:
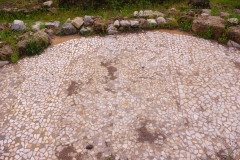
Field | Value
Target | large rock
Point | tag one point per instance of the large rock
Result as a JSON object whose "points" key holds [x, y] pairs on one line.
{"points": [[234, 33], [135, 13], [116, 23], [207, 11], [200, 3], [233, 20], [42, 37], [22, 45], [151, 21], [233, 44], [158, 14], [143, 23], [86, 31], [68, 29], [148, 13], [224, 15], [47, 4], [201, 24], [161, 20], [125, 23], [88, 20], [186, 18], [99, 25], [140, 13], [2, 63], [50, 32], [18, 25], [237, 11], [53, 25], [6, 50], [134, 23], [77, 22], [36, 26], [111, 29]]}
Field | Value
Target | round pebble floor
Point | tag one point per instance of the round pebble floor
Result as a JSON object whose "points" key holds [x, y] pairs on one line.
{"points": [[142, 96]]}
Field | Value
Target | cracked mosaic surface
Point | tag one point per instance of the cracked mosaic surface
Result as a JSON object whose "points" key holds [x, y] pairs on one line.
{"points": [[138, 96]]}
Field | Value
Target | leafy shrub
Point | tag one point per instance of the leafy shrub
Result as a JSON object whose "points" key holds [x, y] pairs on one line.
{"points": [[42, 25], [223, 38], [14, 57], [34, 47], [186, 25], [207, 34]]}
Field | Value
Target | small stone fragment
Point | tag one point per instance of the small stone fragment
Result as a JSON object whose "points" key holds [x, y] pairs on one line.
{"points": [[89, 147]]}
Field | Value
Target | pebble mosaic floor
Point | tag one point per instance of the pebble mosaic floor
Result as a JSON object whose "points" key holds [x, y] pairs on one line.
{"points": [[145, 96]]}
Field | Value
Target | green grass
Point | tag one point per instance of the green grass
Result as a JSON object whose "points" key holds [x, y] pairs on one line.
{"points": [[42, 25], [186, 25], [236, 16], [207, 34], [10, 36], [223, 38], [226, 3], [34, 47], [215, 11], [14, 57]]}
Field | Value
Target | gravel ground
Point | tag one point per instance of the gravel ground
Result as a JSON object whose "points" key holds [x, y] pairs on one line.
{"points": [[137, 96]]}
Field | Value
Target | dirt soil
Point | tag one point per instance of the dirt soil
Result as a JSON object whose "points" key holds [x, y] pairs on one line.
{"points": [[20, 4]]}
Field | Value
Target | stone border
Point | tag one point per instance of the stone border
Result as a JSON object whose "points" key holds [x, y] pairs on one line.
{"points": [[46, 5], [200, 20]]}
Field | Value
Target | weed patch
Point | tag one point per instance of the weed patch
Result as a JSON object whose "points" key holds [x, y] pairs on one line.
{"points": [[186, 25], [14, 57], [223, 38], [34, 47], [207, 34]]}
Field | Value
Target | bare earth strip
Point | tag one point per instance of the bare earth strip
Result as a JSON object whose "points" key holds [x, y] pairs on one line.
{"points": [[151, 95]]}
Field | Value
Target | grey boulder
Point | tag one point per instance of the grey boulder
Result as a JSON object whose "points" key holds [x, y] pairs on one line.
{"points": [[88, 20], [233, 44], [151, 21], [52, 25], [135, 13], [85, 31], [116, 23], [111, 29], [2, 63], [68, 29], [233, 20], [124, 23], [36, 26], [134, 23], [140, 13], [161, 20], [18, 25]]}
